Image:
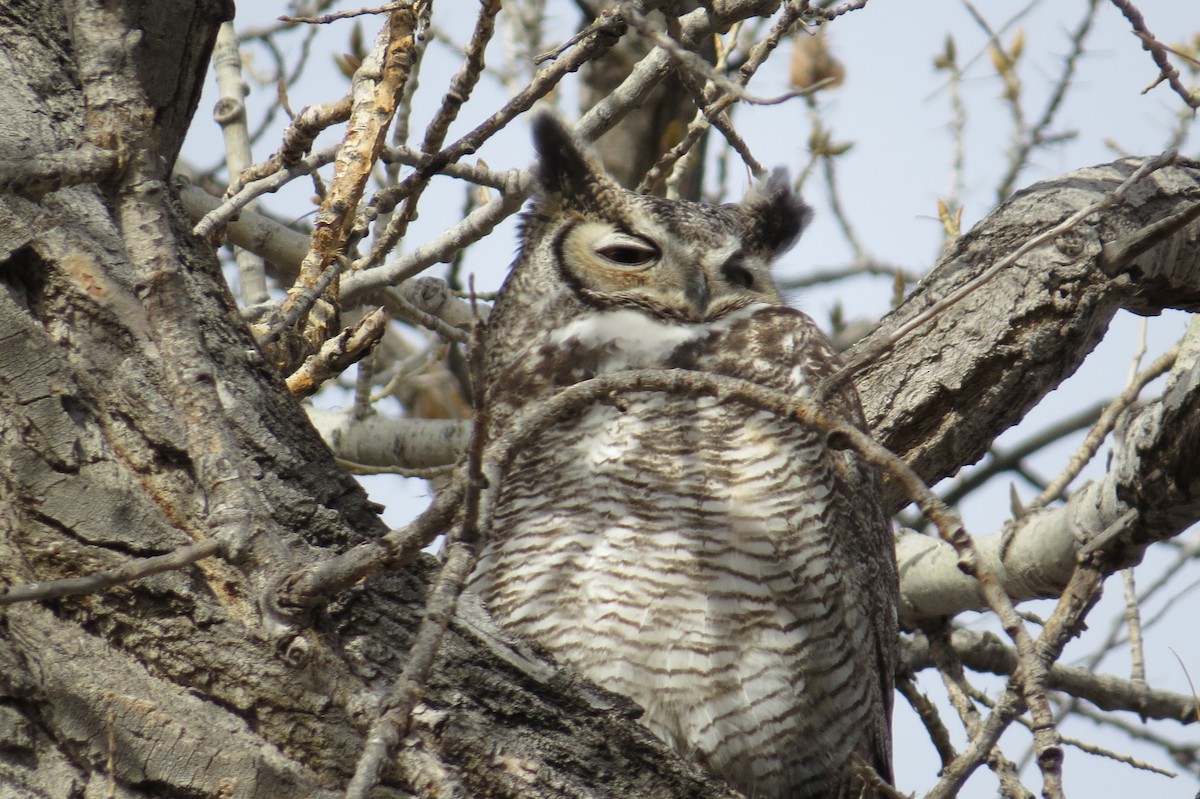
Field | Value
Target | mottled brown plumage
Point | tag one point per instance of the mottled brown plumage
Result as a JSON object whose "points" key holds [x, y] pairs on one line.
{"points": [[722, 567]]}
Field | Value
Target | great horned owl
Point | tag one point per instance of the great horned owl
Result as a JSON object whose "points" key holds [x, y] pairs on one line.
{"points": [[726, 569]]}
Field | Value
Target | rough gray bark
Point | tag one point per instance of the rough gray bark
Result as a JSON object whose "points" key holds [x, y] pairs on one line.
{"points": [[176, 685], [944, 393], [187, 683]]}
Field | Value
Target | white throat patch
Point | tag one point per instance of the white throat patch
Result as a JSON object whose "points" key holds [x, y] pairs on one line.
{"points": [[638, 341]]}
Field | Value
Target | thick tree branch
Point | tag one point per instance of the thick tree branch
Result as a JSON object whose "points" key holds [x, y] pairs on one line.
{"points": [[383, 441], [1151, 492], [977, 368]]}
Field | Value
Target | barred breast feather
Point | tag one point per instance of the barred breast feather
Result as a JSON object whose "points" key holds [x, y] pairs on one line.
{"points": [[704, 558]]}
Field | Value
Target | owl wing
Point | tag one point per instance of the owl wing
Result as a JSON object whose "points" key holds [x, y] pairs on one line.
{"points": [[783, 348]]}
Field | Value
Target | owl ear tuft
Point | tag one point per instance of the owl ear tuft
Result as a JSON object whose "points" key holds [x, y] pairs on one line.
{"points": [[775, 213], [568, 175]]}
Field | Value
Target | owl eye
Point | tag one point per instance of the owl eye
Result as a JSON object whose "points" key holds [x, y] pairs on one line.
{"points": [[626, 250], [738, 275]]}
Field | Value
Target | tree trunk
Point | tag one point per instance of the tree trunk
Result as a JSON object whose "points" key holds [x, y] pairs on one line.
{"points": [[187, 683]]}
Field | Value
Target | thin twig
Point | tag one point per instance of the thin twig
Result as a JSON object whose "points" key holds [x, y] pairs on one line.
{"points": [[1091, 749], [298, 139], [1183, 754], [327, 18], [600, 36], [1158, 52], [426, 473], [118, 575], [1037, 135], [985, 652], [958, 124], [712, 111], [391, 725], [337, 354], [1103, 426], [962, 695], [1133, 621], [435, 323], [479, 223], [1080, 595], [1000, 461], [927, 712], [292, 314], [459, 91], [868, 267], [1005, 64], [695, 64], [311, 586], [395, 713], [829, 170], [272, 182]]}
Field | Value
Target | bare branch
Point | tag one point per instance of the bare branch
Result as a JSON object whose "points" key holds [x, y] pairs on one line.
{"points": [[381, 441], [297, 140], [1114, 518], [1038, 135], [120, 112], [478, 224], [710, 112], [309, 587], [36, 175], [286, 248], [940, 400], [376, 89], [337, 354], [928, 713], [118, 575], [461, 86], [855, 269], [982, 651], [1158, 52], [879, 346], [1011, 459], [1103, 426], [325, 19], [600, 36], [230, 114], [963, 697], [396, 709]]}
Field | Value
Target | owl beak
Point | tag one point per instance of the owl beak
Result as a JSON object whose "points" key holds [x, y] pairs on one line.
{"points": [[697, 291]]}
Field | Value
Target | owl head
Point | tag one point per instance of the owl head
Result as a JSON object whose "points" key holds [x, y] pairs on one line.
{"points": [[611, 247], [594, 253]]}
